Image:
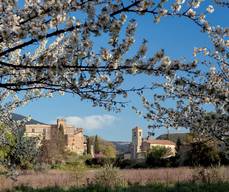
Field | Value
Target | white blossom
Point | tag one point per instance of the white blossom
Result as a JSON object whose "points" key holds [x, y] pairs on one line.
{"points": [[210, 9]]}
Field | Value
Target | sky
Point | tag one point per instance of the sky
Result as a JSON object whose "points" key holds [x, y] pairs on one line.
{"points": [[177, 36]]}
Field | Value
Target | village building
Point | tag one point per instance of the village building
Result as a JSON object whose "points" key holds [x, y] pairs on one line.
{"points": [[140, 146], [74, 138]]}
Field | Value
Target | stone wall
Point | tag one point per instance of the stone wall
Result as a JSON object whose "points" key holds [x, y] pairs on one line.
{"points": [[75, 142], [74, 136]]}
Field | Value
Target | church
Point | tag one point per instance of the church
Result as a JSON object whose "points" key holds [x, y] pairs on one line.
{"points": [[140, 146]]}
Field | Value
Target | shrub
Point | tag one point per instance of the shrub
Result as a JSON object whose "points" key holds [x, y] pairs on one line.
{"points": [[109, 178], [159, 157], [204, 175], [41, 167], [224, 160], [100, 161], [123, 163], [2, 169]]}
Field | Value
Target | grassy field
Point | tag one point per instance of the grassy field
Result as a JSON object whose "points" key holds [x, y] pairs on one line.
{"points": [[181, 187], [163, 179]]}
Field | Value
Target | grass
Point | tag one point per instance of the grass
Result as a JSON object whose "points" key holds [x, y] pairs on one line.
{"points": [[181, 187], [167, 179]]}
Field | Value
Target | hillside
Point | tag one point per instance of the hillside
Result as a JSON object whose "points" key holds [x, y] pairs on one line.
{"points": [[121, 146], [17, 117], [173, 136]]}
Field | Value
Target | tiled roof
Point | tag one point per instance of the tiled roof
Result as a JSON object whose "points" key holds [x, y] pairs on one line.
{"points": [[136, 128], [160, 142]]}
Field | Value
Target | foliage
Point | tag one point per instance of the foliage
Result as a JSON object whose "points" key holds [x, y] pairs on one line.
{"points": [[224, 160], [174, 136], [96, 145], [7, 143], [158, 157], [24, 153], [203, 153], [17, 149], [100, 161], [50, 47], [159, 152], [178, 144], [74, 162], [184, 187], [63, 57], [60, 139], [109, 178], [53, 150], [108, 149], [103, 147], [123, 163], [204, 175], [89, 144]]}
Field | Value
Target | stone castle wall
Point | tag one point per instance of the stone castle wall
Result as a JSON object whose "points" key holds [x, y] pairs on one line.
{"points": [[74, 137]]}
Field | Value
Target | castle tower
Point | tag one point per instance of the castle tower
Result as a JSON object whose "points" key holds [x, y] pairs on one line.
{"points": [[61, 122], [136, 141]]}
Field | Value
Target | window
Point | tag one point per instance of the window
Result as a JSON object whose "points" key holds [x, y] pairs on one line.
{"points": [[33, 130], [140, 134]]}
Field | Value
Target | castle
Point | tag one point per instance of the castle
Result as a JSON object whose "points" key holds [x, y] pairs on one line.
{"points": [[140, 145], [74, 138]]}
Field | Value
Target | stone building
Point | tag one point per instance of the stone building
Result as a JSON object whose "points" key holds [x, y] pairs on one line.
{"points": [[150, 143], [136, 142], [74, 138], [140, 146]]}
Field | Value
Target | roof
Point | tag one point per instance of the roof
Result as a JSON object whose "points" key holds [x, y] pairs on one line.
{"points": [[160, 142], [137, 128], [39, 125]]}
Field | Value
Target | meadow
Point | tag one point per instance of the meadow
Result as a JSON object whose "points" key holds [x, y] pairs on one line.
{"points": [[112, 179]]}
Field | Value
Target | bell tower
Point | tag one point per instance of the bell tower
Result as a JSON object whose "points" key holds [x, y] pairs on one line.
{"points": [[136, 141]]}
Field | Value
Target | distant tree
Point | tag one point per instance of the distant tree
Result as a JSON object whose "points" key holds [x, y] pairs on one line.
{"points": [[203, 154], [96, 145], [89, 143], [157, 156], [44, 151], [224, 160], [159, 152], [53, 149], [60, 140], [177, 157], [178, 144], [108, 150], [16, 149], [7, 143]]}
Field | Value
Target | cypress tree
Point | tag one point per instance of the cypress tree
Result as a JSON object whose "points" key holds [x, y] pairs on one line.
{"points": [[89, 143], [96, 145]]}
